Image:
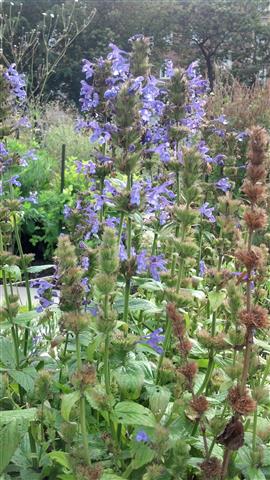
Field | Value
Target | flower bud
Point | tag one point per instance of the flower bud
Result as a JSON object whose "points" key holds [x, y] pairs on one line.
{"points": [[43, 385], [105, 283]]}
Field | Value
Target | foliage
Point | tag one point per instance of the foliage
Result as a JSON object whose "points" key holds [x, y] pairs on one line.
{"points": [[143, 351]]}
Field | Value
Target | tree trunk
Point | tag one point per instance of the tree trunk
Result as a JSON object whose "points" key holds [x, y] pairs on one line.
{"points": [[210, 71]]}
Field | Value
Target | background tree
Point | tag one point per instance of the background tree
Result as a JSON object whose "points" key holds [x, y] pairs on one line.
{"points": [[224, 30], [36, 41], [234, 33]]}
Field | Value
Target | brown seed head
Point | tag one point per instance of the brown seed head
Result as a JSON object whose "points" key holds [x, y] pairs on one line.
{"points": [[256, 317], [256, 173], [177, 320], [241, 402], [211, 468], [199, 404], [189, 371], [255, 218], [185, 346], [233, 434], [217, 341], [256, 193], [258, 145], [252, 258]]}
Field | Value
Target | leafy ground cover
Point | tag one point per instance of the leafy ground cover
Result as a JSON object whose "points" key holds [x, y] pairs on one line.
{"points": [[144, 354]]}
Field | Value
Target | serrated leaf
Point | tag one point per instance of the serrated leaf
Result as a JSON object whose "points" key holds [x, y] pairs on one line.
{"points": [[28, 414], [60, 457], [143, 454], [13, 426], [39, 268], [253, 473], [7, 354], [131, 413], [23, 379], [68, 401], [10, 437]]}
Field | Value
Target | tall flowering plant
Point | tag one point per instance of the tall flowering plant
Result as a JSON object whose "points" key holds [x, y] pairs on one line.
{"points": [[157, 321]]}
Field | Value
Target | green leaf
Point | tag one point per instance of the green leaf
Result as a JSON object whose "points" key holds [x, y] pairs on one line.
{"points": [[149, 284], [13, 426], [10, 437], [110, 476], [143, 454], [216, 299], [131, 413], [60, 457], [7, 354], [253, 473], [137, 304], [39, 268], [13, 271], [29, 415], [190, 293], [23, 379], [68, 401], [26, 317]]}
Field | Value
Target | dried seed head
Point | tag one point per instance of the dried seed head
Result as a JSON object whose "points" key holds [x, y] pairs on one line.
{"points": [[252, 258], [177, 320], [185, 346], [256, 173], [256, 193], [241, 402], [218, 341], [256, 317], [255, 218], [233, 434], [189, 371], [211, 468], [85, 472], [74, 322], [258, 145], [85, 376], [199, 404]]}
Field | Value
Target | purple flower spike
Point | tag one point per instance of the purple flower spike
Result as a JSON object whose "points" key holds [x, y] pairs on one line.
{"points": [[223, 184], [202, 268], [153, 339], [207, 212], [135, 194]]}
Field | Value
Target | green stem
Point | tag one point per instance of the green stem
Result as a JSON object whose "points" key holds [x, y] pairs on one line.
{"points": [[27, 283], [128, 471], [33, 449], [254, 435], [107, 349], [126, 300], [82, 407], [154, 246], [64, 357], [168, 332], [120, 227], [129, 237], [180, 274]]}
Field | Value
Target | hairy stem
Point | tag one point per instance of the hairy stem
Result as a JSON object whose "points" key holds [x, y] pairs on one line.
{"points": [[82, 408]]}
